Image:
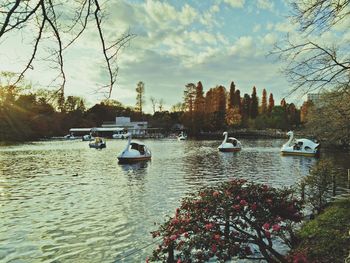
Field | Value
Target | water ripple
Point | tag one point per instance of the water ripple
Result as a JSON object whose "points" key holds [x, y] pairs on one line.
{"points": [[64, 202]]}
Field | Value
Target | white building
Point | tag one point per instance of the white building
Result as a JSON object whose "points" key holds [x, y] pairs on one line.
{"points": [[135, 128]]}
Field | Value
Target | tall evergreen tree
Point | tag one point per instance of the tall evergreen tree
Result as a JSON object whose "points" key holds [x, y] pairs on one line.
{"points": [[209, 104], [293, 116], [264, 102], [221, 99], [199, 108], [140, 90], [246, 106], [189, 96], [237, 100], [232, 95], [199, 101], [254, 105], [283, 103], [271, 103]]}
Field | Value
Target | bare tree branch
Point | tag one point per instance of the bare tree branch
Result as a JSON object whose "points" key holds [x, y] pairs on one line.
{"points": [[319, 14], [51, 18], [312, 66], [29, 64], [118, 44]]}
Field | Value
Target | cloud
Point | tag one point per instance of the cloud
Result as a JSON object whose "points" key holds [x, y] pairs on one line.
{"points": [[235, 3], [269, 39], [285, 27], [256, 28], [243, 47], [214, 8], [165, 15], [265, 4]]}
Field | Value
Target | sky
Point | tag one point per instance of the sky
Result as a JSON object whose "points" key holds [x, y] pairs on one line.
{"points": [[177, 42]]}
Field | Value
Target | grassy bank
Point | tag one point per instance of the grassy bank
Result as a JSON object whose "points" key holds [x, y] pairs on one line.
{"points": [[326, 238]]}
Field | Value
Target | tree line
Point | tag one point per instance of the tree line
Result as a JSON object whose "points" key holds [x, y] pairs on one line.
{"points": [[31, 114], [219, 109], [27, 114]]}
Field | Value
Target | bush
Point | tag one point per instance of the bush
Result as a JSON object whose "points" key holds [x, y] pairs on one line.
{"points": [[318, 185], [229, 220], [326, 238]]}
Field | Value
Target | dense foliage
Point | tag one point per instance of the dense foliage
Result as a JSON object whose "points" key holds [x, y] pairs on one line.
{"points": [[318, 185], [26, 114], [234, 219], [326, 238], [333, 111], [220, 109]]}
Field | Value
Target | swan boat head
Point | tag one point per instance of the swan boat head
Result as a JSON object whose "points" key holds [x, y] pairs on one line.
{"points": [[229, 144], [290, 133]]}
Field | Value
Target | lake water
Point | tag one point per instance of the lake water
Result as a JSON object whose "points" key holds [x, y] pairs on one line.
{"points": [[63, 202]]}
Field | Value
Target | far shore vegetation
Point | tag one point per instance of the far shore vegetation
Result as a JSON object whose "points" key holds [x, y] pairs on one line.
{"points": [[27, 113]]}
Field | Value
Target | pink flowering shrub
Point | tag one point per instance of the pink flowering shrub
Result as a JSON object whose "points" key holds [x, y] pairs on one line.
{"points": [[230, 220]]}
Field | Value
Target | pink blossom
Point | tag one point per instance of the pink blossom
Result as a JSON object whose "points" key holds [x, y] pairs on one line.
{"points": [[173, 237], [186, 235], [276, 227], [238, 197], [216, 194], [267, 234], [247, 250], [254, 207], [213, 248], [179, 261], [266, 226], [300, 258], [236, 207], [217, 237], [243, 202], [147, 260], [209, 226], [175, 221]]}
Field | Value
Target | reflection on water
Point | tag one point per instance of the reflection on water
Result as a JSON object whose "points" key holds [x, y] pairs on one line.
{"points": [[64, 202]]}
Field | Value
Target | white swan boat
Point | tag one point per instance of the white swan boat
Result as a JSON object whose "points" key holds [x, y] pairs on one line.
{"points": [[230, 144], [99, 143], [134, 152], [303, 147], [121, 134], [88, 137], [182, 136], [70, 137]]}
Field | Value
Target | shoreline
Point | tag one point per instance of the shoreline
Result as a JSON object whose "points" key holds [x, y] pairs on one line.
{"points": [[245, 134]]}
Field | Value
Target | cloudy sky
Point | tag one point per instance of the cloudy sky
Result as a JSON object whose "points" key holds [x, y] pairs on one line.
{"points": [[177, 42]]}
